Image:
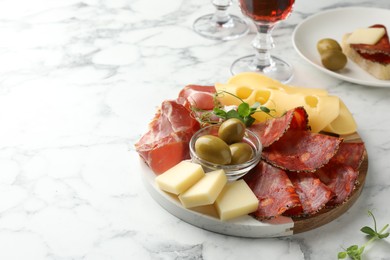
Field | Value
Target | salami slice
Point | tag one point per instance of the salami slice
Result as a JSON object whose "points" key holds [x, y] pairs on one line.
{"points": [[274, 190], [200, 97], [302, 151], [341, 179], [273, 129], [351, 154], [342, 171], [167, 141], [313, 194]]}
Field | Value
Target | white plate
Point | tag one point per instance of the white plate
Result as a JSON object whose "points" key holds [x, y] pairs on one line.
{"points": [[334, 24], [205, 218]]}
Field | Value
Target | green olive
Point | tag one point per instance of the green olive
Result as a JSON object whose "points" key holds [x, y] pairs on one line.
{"points": [[232, 131], [333, 60], [213, 149], [326, 44], [241, 152]]}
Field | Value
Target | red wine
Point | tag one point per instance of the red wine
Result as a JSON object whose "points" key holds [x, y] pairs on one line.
{"points": [[267, 10]]}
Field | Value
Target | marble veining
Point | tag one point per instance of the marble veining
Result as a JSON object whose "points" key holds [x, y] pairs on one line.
{"points": [[79, 82]]}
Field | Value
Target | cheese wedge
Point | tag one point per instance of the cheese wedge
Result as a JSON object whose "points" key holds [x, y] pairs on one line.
{"points": [[366, 36], [180, 177], [205, 191], [236, 199]]}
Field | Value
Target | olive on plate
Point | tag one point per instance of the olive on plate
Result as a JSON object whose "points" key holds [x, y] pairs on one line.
{"points": [[213, 149], [327, 44], [332, 56], [334, 60], [241, 152], [232, 130]]}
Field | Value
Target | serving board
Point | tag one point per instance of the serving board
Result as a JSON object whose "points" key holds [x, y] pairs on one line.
{"points": [[247, 226]]}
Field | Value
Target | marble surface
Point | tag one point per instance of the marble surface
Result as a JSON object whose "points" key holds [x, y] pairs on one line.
{"points": [[80, 80]]}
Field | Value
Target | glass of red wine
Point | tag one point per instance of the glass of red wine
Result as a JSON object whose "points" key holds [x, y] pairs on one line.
{"points": [[221, 25], [265, 14]]}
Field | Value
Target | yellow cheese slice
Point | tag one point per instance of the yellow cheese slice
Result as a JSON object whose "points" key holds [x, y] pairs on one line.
{"points": [[278, 101], [344, 123], [254, 81], [236, 199], [322, 110], [230, 100], [259, 81], [366, 36], [306, 91], [205, 191], [180, 177]]}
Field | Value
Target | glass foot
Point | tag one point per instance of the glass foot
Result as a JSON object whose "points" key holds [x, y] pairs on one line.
{"points": [[278, 70], [207, 27]]}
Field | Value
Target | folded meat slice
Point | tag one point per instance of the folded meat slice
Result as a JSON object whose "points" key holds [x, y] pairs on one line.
{"points": [[342, 171], [200, 97], [341, 179], [313, 194], [274, 190], [301, 151], [166, 143], [273, 129], [378, 52], [349, 153]]}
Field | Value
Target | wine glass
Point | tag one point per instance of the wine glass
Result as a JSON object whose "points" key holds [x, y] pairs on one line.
{"points": [[221, 25], [265, 15]]}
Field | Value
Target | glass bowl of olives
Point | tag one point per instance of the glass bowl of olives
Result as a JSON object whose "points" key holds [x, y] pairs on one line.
{"points": [[229, 146]]}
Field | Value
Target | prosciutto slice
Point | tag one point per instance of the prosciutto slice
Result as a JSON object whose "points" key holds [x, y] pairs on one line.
{"points": [[313, 194], [166, 143], [200, 97], [274, 190], [272, 130]]}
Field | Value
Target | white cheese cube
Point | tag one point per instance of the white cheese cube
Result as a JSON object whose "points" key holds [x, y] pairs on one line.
{"points": [[235, 200], [205, 191], [180, 177], [366, 36]]}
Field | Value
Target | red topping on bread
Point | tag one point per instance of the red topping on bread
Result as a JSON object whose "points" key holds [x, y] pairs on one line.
{"points": [[379, 52], [373, 58]]}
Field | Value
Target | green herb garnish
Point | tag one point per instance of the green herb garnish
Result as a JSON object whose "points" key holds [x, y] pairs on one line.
{"points": [[243, 112], [355, 252]]}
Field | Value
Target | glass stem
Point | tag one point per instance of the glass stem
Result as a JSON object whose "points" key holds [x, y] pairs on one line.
{"points": [[263, 43], [221, 16]]}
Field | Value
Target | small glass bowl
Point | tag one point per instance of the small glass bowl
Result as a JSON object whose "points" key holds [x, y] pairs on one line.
{"points": [[233, 172]]}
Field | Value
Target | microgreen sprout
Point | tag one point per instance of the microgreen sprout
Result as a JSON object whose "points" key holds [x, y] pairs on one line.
{"points": [[244, 111], [355, 252]]}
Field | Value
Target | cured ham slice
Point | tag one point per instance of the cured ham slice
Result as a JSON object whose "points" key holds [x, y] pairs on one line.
{"points": [[272, 130], [200, 97], [302, 151], [341, 173], [312, 193], [274, 190], [167, 141]]}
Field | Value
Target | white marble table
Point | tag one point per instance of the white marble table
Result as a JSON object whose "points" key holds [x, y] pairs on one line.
{"points": [[80, 80]]}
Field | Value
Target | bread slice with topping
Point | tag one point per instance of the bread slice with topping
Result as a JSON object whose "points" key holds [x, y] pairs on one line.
{"points": [[373, 58]]}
